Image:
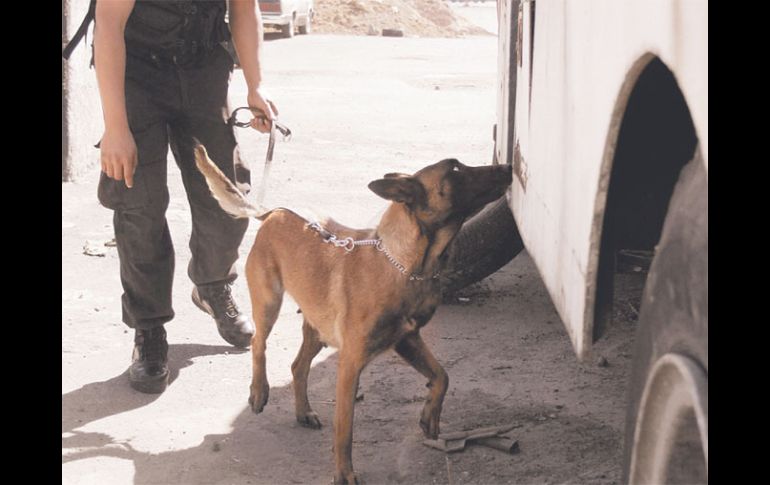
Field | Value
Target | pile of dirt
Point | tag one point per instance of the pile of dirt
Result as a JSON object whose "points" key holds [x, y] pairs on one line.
{"points": [[421, 18]]}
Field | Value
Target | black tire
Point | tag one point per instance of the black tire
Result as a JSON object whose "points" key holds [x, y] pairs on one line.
{"points": [[674, 315], [287, 31], [490, 240], [308, 27], [392, 33], [485, 244]]}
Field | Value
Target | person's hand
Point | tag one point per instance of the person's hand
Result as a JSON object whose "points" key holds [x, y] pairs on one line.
{"points": [[258, 99], [118, 155]]}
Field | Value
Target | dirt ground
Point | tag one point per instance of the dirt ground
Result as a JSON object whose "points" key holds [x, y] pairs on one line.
{"points": [[422, 18], [359, 107]]}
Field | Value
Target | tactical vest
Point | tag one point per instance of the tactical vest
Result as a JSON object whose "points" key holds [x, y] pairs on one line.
{"points": [[177, 31], [181, 32]]}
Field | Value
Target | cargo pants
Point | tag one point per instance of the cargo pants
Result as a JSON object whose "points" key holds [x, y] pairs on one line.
{"points": [[168, 106]]}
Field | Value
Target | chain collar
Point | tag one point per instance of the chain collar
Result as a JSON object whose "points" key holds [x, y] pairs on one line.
{"points": [[349, 244]]}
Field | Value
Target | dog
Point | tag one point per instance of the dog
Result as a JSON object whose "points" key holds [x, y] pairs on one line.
{"points": [[360, 291]]}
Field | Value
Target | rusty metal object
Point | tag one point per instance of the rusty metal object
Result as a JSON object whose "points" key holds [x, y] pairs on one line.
{"points": [[520, 166]]}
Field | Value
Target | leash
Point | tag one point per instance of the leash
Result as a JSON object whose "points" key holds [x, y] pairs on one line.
{"points": [[349, 244], [275, 126]]}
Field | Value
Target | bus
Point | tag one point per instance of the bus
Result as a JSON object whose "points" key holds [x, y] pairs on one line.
{"points": [[602, 109]]}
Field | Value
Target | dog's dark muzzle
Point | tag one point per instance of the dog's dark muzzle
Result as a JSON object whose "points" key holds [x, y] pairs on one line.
{"points": [[486, 184], [479, 186]]}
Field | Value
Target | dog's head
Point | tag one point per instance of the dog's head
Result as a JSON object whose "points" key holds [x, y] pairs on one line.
{"points": [[446, 192]]}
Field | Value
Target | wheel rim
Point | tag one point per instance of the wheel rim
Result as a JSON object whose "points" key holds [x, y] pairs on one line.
{"points": [[671, 422]]}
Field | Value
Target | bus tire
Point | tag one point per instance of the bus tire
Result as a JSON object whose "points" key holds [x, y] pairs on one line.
{"points": [[667, 414]]}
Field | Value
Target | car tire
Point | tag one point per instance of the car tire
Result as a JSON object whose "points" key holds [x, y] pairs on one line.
{"points": [[667, 414], [392, 33], [308, 27], [287, 31], [486, 243]]}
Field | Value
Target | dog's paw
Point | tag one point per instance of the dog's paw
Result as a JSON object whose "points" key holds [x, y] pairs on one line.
{"points": [[257, 400], [429, 422], [309, 420], [349, 478]]}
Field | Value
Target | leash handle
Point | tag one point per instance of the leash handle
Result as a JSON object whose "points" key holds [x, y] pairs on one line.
{"points": [[258, 113], [275, 125]]}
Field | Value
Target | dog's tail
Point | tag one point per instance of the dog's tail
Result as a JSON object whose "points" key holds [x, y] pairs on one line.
{"points": [[227, 194]]}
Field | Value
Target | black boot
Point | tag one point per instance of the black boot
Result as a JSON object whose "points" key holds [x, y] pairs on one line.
{"points": [[149, 372], [217, 301]]}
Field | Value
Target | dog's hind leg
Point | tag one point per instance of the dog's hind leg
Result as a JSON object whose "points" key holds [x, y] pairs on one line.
{"points": [[300, 368], [266, 291], [413, 349]]}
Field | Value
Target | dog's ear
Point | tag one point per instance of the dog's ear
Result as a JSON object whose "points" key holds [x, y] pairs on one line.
{"points": [[399, 188]]}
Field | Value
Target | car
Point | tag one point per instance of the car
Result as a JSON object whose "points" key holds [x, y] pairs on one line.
{"points": [[288, 15]]}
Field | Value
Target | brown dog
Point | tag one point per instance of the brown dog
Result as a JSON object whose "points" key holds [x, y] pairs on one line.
{"points": [[361, 300]]}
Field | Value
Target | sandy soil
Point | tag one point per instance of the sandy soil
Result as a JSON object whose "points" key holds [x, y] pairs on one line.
{"points": [[359, 107], [421, 18]]}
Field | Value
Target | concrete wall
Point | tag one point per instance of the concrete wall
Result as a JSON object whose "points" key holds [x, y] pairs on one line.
{"points": [[81, 122]]}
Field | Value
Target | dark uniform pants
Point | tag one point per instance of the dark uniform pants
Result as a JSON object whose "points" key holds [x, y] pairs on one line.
{"points": [[169, 106]]}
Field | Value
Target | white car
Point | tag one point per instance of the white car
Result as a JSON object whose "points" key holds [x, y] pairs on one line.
{"points": [[287, 15]]}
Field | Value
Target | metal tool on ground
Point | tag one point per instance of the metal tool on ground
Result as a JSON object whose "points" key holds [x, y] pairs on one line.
{"points": [[490, 437], [274, 126]]}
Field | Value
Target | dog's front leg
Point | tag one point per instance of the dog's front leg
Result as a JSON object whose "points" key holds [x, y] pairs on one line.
{"points": [[413, 349], [348, 372]]}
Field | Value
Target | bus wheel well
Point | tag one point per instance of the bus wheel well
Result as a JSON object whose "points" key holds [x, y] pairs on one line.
{"points": [[655, 141]]}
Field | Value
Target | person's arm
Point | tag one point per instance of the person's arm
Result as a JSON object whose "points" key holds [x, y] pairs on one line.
{"points": [[118, 149], [247, 33]]}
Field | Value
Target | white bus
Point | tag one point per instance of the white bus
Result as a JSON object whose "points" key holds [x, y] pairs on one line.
{"points": [[603, 112]]}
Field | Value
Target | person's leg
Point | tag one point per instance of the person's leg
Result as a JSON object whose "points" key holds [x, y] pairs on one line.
{"points": [[216, 236], [143, 241]]}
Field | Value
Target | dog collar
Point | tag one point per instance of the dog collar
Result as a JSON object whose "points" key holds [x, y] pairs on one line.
{"points": [[349, 244]]}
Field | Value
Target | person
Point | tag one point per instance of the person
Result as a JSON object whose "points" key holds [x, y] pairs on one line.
{"points": [[163, 76]]}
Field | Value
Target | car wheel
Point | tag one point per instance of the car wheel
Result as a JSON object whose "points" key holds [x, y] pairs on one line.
{"points": [[307, 28], [287, 30], [486, 243], [667, 414]]}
